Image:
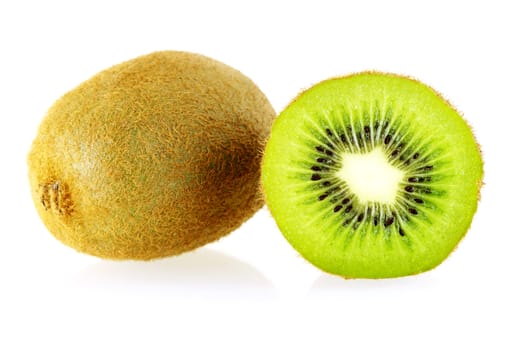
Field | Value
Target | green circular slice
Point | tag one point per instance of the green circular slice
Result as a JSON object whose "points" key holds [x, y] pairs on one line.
{"points": [[372, 175]]}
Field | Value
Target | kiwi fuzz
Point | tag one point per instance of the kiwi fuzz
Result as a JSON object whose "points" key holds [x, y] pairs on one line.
{"points": [[372, 175], [152, 157]]}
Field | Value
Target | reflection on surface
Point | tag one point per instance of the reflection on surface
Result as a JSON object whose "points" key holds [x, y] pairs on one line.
{"points": [[331, 284], [201, 273]]}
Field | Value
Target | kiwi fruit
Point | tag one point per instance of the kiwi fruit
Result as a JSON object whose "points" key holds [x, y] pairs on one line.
{"points": [[152, 157], [372, 175]]}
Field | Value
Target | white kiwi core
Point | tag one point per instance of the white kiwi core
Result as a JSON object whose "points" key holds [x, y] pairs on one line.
{"points": [[370, 176]]}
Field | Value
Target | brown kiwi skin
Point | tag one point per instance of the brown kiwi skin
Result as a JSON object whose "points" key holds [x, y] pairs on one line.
{"points": [[150, 158]]}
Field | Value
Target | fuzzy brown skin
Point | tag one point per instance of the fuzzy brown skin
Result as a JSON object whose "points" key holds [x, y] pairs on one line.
{"points": [[151, 158]]}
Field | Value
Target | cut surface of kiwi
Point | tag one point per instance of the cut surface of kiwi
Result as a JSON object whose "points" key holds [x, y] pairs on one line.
{"points": [[372, 175], [152, 157]]}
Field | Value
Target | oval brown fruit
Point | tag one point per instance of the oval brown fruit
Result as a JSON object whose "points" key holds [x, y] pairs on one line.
{"points": [[151, 158]]}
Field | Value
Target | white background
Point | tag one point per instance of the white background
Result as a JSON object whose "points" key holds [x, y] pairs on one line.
{"points": [[250, 289]]}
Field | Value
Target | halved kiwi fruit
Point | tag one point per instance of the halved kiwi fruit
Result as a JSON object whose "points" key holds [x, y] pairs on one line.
{"points": [[372, 175]]}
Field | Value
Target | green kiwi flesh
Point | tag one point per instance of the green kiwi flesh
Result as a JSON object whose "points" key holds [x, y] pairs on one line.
{"points": [[372, 175]]}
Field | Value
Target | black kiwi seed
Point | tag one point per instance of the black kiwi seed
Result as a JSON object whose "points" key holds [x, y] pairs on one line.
{"points": [[416, 155], [320, 149], [316, 168], [323, 196], [326, 183], [345, 201], [413, 179], [329, 152], [375, 221], [387, 139], [366, 129], [315, 177], [325, 161], [413, 211], [329, 132], [343, 138], [388, 221], [348, 209], [337, 208], [409, 189], [360, 217], [401, 232], [418, 200]]}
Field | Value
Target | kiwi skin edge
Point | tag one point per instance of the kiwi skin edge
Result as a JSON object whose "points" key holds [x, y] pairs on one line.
{"points": [[152, 157], [310, 247]]}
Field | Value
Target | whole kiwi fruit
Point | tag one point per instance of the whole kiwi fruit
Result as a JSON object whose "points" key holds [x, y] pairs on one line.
{"points": [[152, 157], [372, 175]]}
